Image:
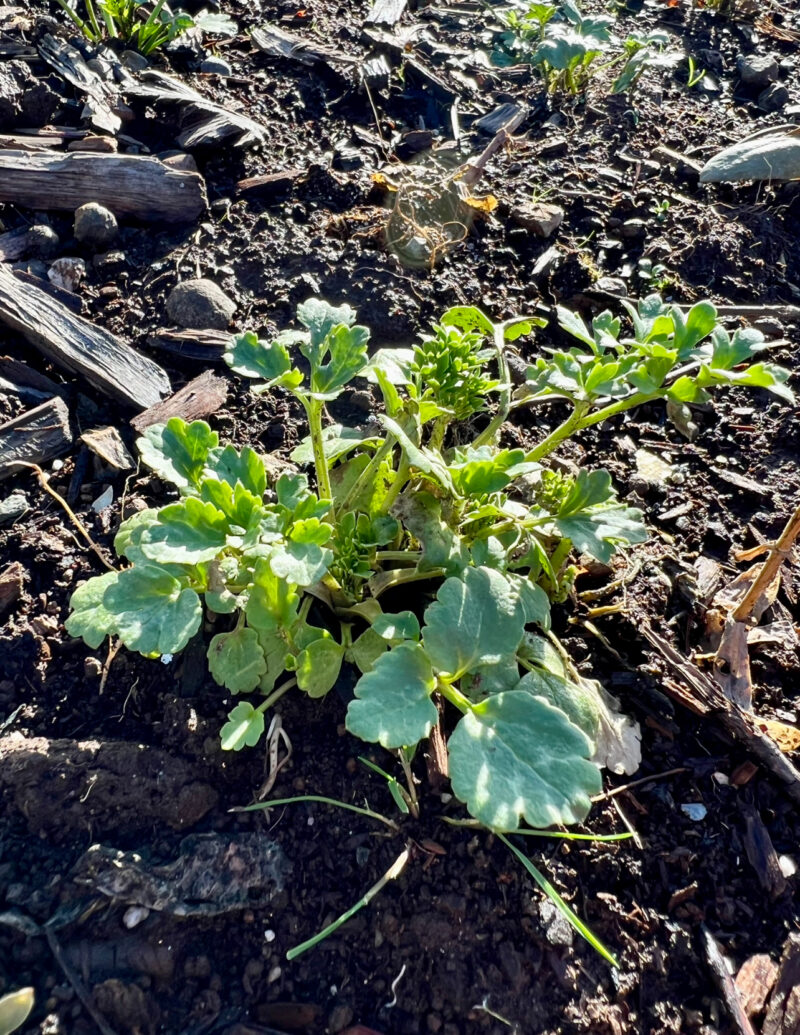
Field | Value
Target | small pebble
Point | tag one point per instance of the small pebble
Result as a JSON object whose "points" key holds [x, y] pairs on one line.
{"points": [[216, 66], [95, 226]]}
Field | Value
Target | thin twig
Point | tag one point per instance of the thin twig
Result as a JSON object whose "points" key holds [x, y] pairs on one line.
{"points": [[638, 783], [726, 985], [44, 482], [779, 551], [72, 976]]}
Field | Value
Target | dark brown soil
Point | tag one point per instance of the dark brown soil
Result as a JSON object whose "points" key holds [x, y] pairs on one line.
{"points": [[462, 941]]}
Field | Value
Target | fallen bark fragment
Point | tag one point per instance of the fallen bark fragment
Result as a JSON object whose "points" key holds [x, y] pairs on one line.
{"points": [[202, 396], [75, 344], [34, 436], [269, 183], [279, 43], [108, 445], [128, 185], [11, 579], [773, 154], [206, 346], [726, 985], [105, 787], [761, 853], [386, 12], [783, 1011], [754, 982], [701, 694], [101, 96], [206, 122]]}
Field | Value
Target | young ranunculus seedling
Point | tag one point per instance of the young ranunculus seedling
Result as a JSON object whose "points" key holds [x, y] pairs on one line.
{"points": [[296, 576]]}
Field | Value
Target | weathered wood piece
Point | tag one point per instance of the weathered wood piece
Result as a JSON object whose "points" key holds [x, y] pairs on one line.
{"points": [[278, 43], [202, 396], [701, 694], [726, 985], [41, 140], [761, 853], [205, 122], [77, 345], [11, 578], [386, 12], [128, 185], [35, 436], [13, 246], [755, 981], [24, 381], [108, 445], [269, 183], [101, 96], [783, 1011], [206, 346]]}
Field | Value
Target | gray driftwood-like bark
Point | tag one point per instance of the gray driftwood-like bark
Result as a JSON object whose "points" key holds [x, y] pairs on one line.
{"points": [[128, 185], [203, 121], [101, 97], [386, 12], [77, 345], [35, 436]]}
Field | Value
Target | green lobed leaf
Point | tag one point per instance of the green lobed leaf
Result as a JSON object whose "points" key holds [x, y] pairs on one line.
{"points": [[127, 541], [178, 451], [366, 649], [595, 520], [321, 317], [514, 756], [347, 352], [477, 619], [273, 601], [186, 533], [300, 563], [468, 318], [270, 361], [393, 705], [318, 666], [244, 727], [245, 467], [421, 514], [236, 660], [337, 441], [154, 612], [89, 617], [397, 627]]}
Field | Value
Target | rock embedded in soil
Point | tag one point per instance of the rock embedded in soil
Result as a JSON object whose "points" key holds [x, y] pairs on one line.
{"points": [[42, 242], [216, 66], [67, 273], [200, 304], [102, 787], [39, 104], [757, 69], [773, 98], [95, 226], [540, 218]]}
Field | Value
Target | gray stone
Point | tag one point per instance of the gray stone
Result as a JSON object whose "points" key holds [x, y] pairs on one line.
{"points": [[109, 264], [538, 217], [134, 62], [216, 66], [95, 226], [42, 241], [67, 273], [757, 70], [773, 98], [611, 286], [200, 304], [633, 228], [39, 104]]}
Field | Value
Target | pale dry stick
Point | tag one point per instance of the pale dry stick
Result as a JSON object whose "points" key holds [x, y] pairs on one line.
{"points": [[113, 650], [637, 783], [44, 482], [276, 735], [726, 985], [779, 551]]}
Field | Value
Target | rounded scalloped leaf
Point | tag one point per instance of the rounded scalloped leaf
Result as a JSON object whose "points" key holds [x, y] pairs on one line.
{"points": [[244, 727], [236, 660], [89, 618], [394, 706], [516, 757], [475, 620], [154, 613]]}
